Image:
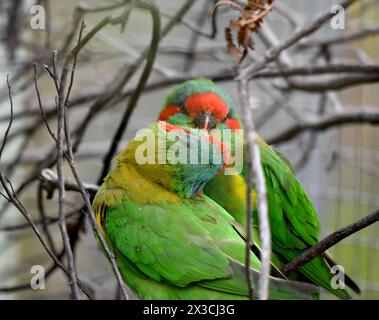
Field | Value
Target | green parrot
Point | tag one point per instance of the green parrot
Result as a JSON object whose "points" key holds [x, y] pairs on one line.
{"points": [[170, 241], [294, 223]]}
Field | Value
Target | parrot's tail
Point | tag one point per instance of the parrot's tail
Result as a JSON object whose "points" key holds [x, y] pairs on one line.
{"points": [[348, 281]]}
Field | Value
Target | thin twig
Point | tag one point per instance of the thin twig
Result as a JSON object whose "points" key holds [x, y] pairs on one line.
{"points": [[361, 34], [10, 121], [104, 98], [115, 87], [89, 207], [249, 185], [329, 68], [137, 93], [274, 52], [50, 182], [362, 115], [190, 57], [40, 105], [223, 74], [47, 220], [332, 84], [255, 170], [62, 223], [44, 220], [64, 103], [12, 197], [26, 286], [328, 242], [288, 13]]}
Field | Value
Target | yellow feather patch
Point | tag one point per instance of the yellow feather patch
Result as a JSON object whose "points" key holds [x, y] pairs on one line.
{"points": [[136, 187], [124, 182], [238, 190], [99, 218]]}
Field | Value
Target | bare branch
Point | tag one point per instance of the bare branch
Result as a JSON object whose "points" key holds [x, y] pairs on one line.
{"points": [[288, 13], [47, 220], [255, 170], [12, 32], [12, 197], [223, 74], [62, 223], [44, 220], [64, 126], [361, 34], [243, 93], [10, 119], [40, 104], [191, 26], [274, 52], [114, 88], [50, 183], [89, 207], [328, 242], [353, 116], [138, 91], [329, 68], [111, 93]]}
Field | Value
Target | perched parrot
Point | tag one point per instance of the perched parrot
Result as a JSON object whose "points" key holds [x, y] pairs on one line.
{"points": [[170, 241], [294, 223]]}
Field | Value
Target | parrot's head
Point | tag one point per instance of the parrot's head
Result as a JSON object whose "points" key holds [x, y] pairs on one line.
{"points": [[182, 160], [199, 103]]}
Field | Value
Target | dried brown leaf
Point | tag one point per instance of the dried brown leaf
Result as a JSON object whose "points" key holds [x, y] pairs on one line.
{"points": [[244, 26], [233, 51]]}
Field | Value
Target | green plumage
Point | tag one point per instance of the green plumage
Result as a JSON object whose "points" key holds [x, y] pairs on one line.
{"points": [[174, 246], [293, 219]]}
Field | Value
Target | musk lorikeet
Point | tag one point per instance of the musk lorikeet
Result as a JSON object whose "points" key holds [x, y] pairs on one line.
{"points": [[170, 241], [294, 223]]}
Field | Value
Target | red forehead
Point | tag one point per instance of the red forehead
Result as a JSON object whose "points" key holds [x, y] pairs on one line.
{"points": [[233, 124], [168, 111], [207, 102]]}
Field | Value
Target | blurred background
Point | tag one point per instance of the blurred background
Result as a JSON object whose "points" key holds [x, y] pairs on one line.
{"points": [[338, 165]]}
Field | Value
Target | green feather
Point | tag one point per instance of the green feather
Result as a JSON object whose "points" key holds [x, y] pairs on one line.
{"points": [[168, 246], [186, 245], [293, 219]]}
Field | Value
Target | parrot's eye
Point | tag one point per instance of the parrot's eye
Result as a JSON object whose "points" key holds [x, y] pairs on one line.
{"points": [[183, 109], [228, 116]]}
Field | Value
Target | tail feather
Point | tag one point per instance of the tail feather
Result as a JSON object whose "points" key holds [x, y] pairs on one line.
{"points": [[318, 272], [279, 289], [348, 281]]}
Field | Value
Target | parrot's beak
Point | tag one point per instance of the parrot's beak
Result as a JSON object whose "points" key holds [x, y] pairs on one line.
{"points": [[206, 122]]}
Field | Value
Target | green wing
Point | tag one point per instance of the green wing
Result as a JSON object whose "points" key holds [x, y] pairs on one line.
{"points": [[293, 219], [190, 244]]}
